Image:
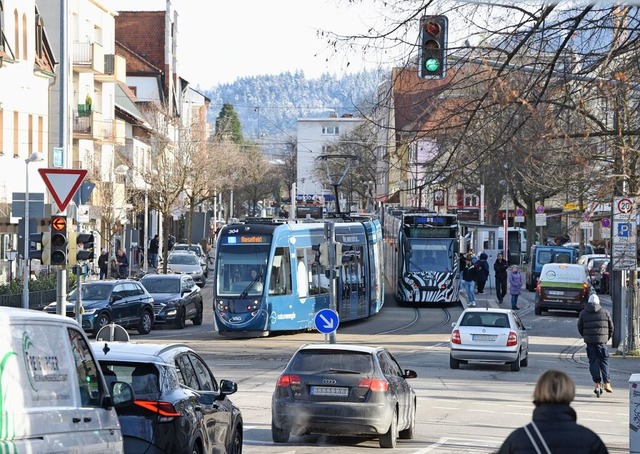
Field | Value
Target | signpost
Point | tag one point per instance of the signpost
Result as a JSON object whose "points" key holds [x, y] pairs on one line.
{"points": [[326, 321], [624, 240]]}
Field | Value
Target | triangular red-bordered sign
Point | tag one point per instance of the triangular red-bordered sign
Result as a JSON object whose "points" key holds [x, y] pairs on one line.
{"points": [[63, 184]]}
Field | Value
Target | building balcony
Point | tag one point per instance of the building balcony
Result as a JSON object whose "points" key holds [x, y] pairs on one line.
{"points": [[88, 58], [109, 74], [88, 124]]}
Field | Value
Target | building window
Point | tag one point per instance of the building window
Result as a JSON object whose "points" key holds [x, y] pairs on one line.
{"points": [[16, 134], [330, 130], [1, 132], [40, 134], [39, 36], [30, 137], [24, 37], [1, 25], [16, 35]]}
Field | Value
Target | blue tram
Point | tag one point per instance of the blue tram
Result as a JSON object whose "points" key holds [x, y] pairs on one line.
{"points": [[422, 254], [268, 277]]}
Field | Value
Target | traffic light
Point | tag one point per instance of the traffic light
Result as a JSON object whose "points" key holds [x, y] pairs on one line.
{"points": [[80, 247], [59, 240], [323, 253], [42, 253], [433, 47]]}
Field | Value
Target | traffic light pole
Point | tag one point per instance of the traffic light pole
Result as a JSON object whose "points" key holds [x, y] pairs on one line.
{"points": [[330, 234], [61, 291]]}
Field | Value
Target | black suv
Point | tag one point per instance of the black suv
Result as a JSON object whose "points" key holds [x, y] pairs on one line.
{"points": [[179, 406], [125, 302]]}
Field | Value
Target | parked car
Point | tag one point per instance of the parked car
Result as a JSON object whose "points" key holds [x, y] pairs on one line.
{"points": [[489, 335], [125, 302], [586, 248], [341, 389], [179, 405], [593, 263], [198, 251], [562, 286], [184, 262], [53, 396], [176, 298], [546, 254]]}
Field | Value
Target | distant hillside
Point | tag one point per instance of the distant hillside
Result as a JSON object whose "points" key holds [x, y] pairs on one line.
{"points": [[269, 106]]}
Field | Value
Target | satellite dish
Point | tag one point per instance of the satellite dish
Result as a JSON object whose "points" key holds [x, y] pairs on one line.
{"points": [[112, 332]]}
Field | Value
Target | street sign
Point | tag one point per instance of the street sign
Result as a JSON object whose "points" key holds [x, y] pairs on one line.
{"points": [[586, 225], [58, 157], [58, 223], [541, 220], [623, 208], [326, 321], [62, 183], [518, 219], [519, 212], [540, 209], [605, 222]]}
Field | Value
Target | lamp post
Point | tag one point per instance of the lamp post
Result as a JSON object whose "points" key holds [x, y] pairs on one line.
{"points": [[35, 156], [122, 170], [11, 256]]}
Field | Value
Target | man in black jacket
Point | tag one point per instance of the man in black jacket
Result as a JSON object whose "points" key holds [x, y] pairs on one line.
{"points": [[500, 268], [596, 328]]}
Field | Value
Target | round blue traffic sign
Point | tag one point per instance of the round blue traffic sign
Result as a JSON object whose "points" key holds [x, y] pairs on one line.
{"points": [[605, 222], [540, 209], [519, 212], [326, 321]]}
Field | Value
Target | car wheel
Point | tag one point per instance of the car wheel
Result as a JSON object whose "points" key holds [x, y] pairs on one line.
{"points": [[279, 435], [525, 361], [388, 440], [197, 320], [515, 365], [181, 318], [538, 310], [103, 320], [236, 443], [453, 363], [407, 434], [144, 325], [196, 449]]}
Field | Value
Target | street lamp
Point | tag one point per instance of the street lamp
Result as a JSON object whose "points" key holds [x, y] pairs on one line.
{"points": [[35, 156], [122, 170], [11, 256]]}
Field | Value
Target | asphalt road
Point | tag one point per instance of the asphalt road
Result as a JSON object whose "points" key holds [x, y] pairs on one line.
{"points": [[470, 410]]}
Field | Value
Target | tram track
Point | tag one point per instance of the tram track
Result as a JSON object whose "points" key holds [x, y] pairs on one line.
{"points": [[446, 320]]}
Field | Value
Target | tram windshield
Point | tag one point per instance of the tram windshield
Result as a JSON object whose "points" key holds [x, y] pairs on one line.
{"points": [[241, 270], [431, 255]]}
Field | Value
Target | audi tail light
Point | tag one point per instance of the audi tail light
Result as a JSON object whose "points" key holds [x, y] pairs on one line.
{"points": [[374, 384], [287, 380]]}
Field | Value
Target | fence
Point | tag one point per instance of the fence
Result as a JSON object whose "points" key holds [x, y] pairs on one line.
{"points": [[37, 300]]}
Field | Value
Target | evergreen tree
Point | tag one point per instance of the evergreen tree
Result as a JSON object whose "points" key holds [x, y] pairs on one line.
{"points": [[228, 126]]}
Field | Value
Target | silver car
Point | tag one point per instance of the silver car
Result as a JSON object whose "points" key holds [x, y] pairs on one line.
{"points": [[185, 262], [489, 335]]}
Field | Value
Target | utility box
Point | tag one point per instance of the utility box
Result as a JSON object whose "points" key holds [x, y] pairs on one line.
{"points": [[634, 413]]}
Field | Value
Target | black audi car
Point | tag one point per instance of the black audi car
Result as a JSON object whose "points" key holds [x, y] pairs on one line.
{"points": [[176, 298], [179, 406]]}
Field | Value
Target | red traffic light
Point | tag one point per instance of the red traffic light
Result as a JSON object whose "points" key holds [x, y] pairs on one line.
{"points": [[433, 28]]}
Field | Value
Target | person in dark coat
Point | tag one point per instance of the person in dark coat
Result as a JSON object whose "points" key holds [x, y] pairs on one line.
{"points": [[482, 272], [596, 328], [103, 264], [553, 427], [154, 249], [123, 264], [500, 268]]}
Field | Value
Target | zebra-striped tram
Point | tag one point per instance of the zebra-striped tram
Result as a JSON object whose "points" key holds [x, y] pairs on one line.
{"points": [[422, 255]]}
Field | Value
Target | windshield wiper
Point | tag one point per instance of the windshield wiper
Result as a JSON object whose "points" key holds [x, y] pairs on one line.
{"points": [[251, 284], [343, 371]]}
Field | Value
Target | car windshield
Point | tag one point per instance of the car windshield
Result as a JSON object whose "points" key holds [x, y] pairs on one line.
{"points": [[195, 249], [92, 292], [486, 319], [158, 285], [310, 361], [182, 259]]}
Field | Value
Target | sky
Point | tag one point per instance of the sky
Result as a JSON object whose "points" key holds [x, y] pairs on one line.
{"points": [[222, 40]]}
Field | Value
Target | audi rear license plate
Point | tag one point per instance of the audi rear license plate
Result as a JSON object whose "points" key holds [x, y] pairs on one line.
{"points": [[484, 337], [329, 391]]}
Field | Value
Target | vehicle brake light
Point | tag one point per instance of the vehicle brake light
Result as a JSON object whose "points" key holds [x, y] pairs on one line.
{"points": [[374, 384], [513, 339], [288, 380], [455, 337], [165, 409], [585, 288], [538, 287]]}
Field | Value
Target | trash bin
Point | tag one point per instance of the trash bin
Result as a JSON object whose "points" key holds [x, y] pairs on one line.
{"points": [[634, 413]]}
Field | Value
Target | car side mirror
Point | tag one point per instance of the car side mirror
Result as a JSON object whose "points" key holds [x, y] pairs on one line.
{"points": [[527, 327], [121, 394], [409, 373], [453, 325], [228, 387], [115, 298]]}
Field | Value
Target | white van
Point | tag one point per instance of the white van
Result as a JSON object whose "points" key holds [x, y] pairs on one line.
{"points": [[53, 397]]}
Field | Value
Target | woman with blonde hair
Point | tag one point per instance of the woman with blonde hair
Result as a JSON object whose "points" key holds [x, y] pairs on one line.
{"points": [[553, 427]]}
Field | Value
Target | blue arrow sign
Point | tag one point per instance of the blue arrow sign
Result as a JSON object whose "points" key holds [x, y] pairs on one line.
{"points": [[326, 321]]}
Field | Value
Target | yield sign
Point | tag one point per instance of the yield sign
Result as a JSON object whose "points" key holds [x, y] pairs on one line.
{"points": [[62, 184]]}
